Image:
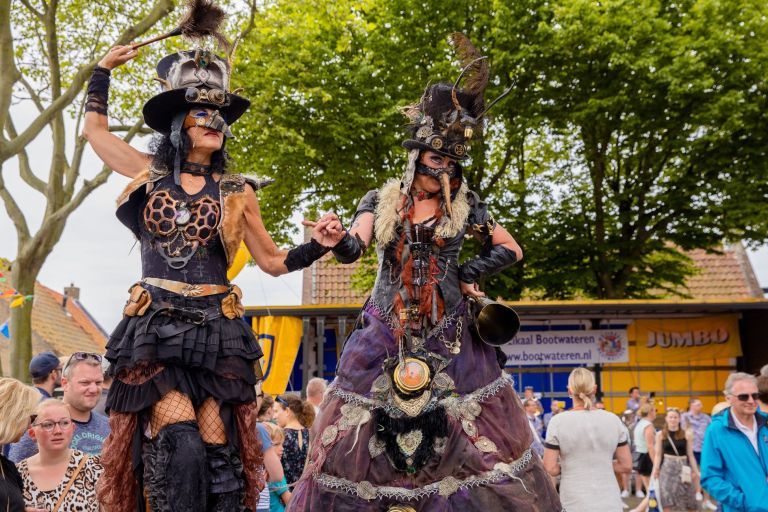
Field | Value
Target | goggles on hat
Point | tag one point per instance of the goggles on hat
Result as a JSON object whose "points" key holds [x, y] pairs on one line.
{"points": [[215, 96]]}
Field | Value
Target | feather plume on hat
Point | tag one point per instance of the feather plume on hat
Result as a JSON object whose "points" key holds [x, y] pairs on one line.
{"points": [[477, 74], [203, 18]]}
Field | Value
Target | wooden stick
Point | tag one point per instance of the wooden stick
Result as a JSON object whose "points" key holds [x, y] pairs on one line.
{"points": [[174, 32]]}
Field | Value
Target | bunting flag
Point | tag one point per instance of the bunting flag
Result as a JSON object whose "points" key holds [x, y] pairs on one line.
{"points": [[280, 339], [5, 330]]}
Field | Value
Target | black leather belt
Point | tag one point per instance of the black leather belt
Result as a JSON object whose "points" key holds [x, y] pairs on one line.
{"points": [[189, 317]]}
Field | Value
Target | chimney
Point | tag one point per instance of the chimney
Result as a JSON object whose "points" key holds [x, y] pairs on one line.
{"points": [[72, 292]]}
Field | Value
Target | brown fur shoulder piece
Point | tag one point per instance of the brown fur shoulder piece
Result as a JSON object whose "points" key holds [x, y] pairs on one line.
{"points": [[232, 225], [148, 175]]}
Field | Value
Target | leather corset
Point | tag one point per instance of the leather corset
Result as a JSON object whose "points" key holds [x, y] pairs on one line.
{"points": [[388, 278], [180, 234]]}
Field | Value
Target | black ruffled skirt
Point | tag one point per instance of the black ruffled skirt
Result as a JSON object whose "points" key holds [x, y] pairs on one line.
{"points": [[218, 358]]}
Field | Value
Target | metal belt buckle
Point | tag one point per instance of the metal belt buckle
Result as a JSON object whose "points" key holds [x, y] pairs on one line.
{"points": [[192, 290], [201, 317]]}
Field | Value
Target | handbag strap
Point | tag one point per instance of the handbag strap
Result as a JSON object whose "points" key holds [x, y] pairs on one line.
{"points": [[668, 438], [71, 481]]}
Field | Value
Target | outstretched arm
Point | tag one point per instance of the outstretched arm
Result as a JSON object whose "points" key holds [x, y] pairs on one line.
{"points": [[273, 260], [117, 154]]}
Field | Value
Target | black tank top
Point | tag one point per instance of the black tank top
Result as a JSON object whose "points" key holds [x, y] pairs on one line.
{"points": [[180, 234], [680, 444]]}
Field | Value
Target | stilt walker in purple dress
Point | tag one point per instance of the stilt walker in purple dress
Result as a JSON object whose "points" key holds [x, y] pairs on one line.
{"points": [[421, 415]]}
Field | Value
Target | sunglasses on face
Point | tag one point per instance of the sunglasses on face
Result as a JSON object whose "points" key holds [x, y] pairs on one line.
{"points": [[82, 356], [49, 425], [743, 397]]}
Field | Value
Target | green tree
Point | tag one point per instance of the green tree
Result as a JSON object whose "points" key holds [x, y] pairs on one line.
{"points": [[47, 52], [635, 129]]}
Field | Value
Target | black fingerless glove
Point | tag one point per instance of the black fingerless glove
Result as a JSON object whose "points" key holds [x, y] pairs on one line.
{"points": [[98, 91], [304, 255], [497, 259], [349, 248]]}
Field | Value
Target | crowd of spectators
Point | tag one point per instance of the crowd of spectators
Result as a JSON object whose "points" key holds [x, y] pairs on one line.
{"points": [[52, 435]]}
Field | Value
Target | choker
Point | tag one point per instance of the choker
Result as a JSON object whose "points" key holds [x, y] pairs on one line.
{"points": [[421, 195], [195, 168]]}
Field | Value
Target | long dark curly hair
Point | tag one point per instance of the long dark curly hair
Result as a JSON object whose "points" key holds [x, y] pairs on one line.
{"points": [[163, 152]]}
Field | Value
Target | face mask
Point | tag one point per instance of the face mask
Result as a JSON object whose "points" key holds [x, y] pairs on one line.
{"points": [[213, 121]]}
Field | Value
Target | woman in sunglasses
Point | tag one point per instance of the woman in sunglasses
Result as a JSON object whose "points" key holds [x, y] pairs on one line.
{"points": [[184, 363], [17, 407], [58, 478]]}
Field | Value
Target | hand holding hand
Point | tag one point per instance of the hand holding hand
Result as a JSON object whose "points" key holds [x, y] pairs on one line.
{"points": [[471, 289], [117, 56], [327, 231]]}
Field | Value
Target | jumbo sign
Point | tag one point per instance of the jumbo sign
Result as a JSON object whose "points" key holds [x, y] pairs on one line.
{"points": [[685, 339], [669, 339]]}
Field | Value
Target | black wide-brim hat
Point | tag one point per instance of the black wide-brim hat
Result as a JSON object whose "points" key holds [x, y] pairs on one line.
{"points": [[160, 110], [199, 70], [439, 127]]}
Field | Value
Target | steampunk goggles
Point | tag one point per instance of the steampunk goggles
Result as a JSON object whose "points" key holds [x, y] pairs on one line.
{"points": [[214, 96]]}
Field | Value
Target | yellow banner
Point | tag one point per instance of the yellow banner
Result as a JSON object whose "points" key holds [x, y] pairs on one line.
{"points": [[686, 339], [280, 339]]}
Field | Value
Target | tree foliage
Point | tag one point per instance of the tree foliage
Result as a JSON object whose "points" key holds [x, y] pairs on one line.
{"points": [[634, 131]]}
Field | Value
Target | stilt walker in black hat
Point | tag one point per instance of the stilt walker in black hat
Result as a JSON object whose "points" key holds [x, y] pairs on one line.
{"points": [[185, 364], [421, 416]]}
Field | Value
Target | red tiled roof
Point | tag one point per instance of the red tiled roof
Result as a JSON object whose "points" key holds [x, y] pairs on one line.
{"points": [[727, 275], [55, 328]]}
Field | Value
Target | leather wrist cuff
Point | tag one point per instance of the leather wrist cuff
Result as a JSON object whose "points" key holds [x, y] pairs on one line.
{"points": [[497, 259], [349, 248], [304, 255], [98, 91]]}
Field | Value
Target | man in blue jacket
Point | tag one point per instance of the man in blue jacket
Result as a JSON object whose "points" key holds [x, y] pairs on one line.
{"points": [[734, 460]]}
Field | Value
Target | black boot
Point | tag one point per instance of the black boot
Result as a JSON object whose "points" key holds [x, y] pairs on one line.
{"points": [[225, 479], [175, 474]]}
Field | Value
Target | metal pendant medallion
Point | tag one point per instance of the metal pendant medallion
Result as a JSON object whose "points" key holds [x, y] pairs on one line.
{"points": [[183, 215]]}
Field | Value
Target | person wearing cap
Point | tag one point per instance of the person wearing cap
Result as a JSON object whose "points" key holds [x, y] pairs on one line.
{"points": [[45, 370], [184, 364], [421, 415]]}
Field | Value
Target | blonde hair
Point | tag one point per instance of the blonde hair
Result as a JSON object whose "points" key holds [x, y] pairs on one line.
{"points": [[17, 403], [276, 434], [645, 410], [51, 402], [582, 384]]}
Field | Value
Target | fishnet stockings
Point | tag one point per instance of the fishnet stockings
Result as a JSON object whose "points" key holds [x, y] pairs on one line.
{"points": [[211, 427], [174, 407]]}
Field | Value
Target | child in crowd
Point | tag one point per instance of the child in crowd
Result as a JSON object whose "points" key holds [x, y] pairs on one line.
{"points": [[279, 495]]}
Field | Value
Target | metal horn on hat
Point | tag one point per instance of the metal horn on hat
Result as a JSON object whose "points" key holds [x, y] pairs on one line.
{"points": [[498, 98], [494, 323]]}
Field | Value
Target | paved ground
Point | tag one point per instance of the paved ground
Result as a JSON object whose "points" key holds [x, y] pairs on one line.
{"points": [[633, 502]]}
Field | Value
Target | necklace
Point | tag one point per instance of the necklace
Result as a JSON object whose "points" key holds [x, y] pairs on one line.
{"points": [[421, 195], [195, 168]]}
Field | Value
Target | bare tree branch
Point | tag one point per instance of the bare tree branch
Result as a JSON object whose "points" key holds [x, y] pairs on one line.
{"points": [[88, 185], [25, 170], [11, 148], [33, 94], [14, 212], [35, 12]]}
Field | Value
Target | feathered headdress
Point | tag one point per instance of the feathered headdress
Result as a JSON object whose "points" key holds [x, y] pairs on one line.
{"points": [[202, 19]]}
